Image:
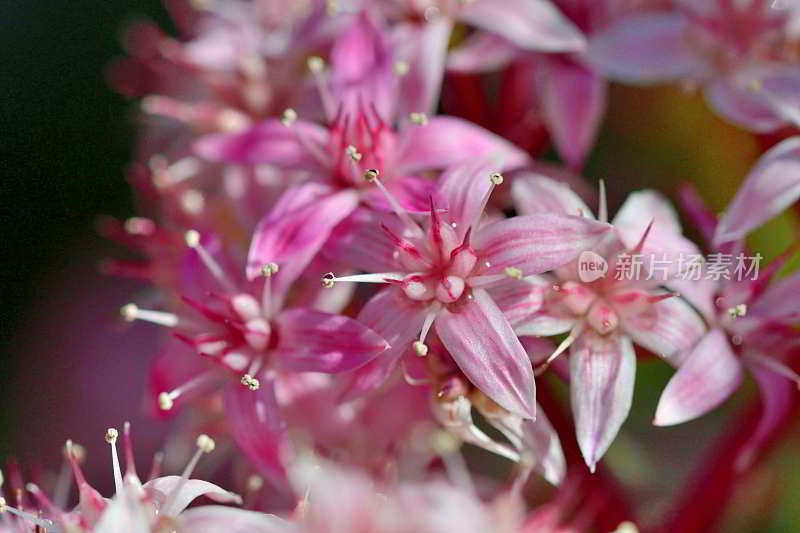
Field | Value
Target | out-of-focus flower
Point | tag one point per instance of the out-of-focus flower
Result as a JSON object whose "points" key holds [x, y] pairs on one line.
{"points": [[441, 276], [607, 313], [740, 53]]}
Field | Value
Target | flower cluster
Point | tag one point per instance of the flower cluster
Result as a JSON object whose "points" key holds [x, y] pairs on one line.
{"points": [[290, 151]]}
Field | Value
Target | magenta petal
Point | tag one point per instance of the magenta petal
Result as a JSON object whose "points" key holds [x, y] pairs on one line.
{"points": [[216, 518], [361, 242], [482, 343], [780, 302], [574, 102], [704, 380], [446, 141], [647, 48], [312, 341], [192, 489], [536, 243], [270, 143], [602, 372], [412, 192], [534, 194], [292, 237], [531, 24], [480, 52], [462, 192], [399, 320], [772, 186], [519, 299], [254, 420], [419, 88]]}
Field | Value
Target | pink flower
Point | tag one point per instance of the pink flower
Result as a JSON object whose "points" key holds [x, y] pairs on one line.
{"points": [[607, 314], [738, 52], [441, 276]]}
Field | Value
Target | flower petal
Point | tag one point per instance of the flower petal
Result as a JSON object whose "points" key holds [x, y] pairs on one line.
{"points": [[534, 194], [312, 341], [360, 241], [645, 48], [215, 518], [536, 243], [462, 192], [420, 86], [519, 299], [445, 141], [707, 377], [482, 343], [780, 302], [573, 101], [268, 143], [531, 24], [772, 186], [291, 237], [481, 52], [602, 372], [160, 487]]}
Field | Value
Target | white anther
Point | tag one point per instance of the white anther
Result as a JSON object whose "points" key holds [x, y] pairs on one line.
{"points": [[111, 435], [420, 119], [328, 280], [371, 174], [205, 443], [421, 348], [738, 311], [289, 117], [496, 178], [513, 272], [353, 153], [316, 64], [165, 401], [192, 238], [269, 269], [250, 382], [129, 312], [401, 68], [254, 483]]}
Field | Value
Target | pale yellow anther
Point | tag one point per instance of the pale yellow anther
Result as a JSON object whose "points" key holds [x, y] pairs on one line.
{"points": [[250, 382], [269, 269], [421, 348], [496, 178], [420, 119], [738, 311], [316, 64], [328, 280], [129, 312], [165, 401], [755, 85], [353, 153], [371, 174], [111, 435], [513, 272], [254, 483], [2, 505], [289, 117], [401, 68], [626, 527], [192, 238], [205, 443], [443, 443], [76, 451]]}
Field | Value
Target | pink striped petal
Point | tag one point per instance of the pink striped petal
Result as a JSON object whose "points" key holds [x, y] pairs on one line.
{"points": [[531, 24], [481, 52], [534, 194], [268, 143], [190, 490], [646, 48], [447, 141], [292, 237], [482, 343], [772, 186], [536, 243], [215, 518], [542, 445], [520, 299], [399, 320], [420, 86], [602, 372], [312, 341], [573, 101], [462, 192], [412, 192], [361, 242], [255, 422], [707, 377], [780, 302]]}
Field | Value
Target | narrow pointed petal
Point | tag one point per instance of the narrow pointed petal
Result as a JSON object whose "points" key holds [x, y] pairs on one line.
{"points": [[399, 320], [519, 299], [574, 103], [268, 143], [258, 429], [602, 372], [446, 141], [542, 447], [780, 302], [482, 343], [312, 341], [707, 377], [647, 48], [668, 329], [534, 194], [191, 490], [481, 52], [215, 518], [411, 192], [772, 186], [420, 86], [530, 24], [462, 192], [536, 243], [361, 242], [292, 237]]}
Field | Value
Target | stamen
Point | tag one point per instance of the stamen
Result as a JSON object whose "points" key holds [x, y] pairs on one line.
{"points": [[44, 501], [566, 343], [250, 382], [131, 312], [111, 438], [399, 210], [130, 464], [401, 68], [419, 346], [155, 469], [329, 279], [193, 241], [640, 245], [315, 64], [39, 522], [267, 271], [602, 212], [140, 226], [289, 117], [737, 311], [418, 119], [332, 7], [411, 380], [513, 272], [167, 399], [205, 444], [353, 153], [495, 179], [254, 483]]}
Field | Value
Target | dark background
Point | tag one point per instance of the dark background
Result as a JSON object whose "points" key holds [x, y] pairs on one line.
{"points": [[65, 139]]}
